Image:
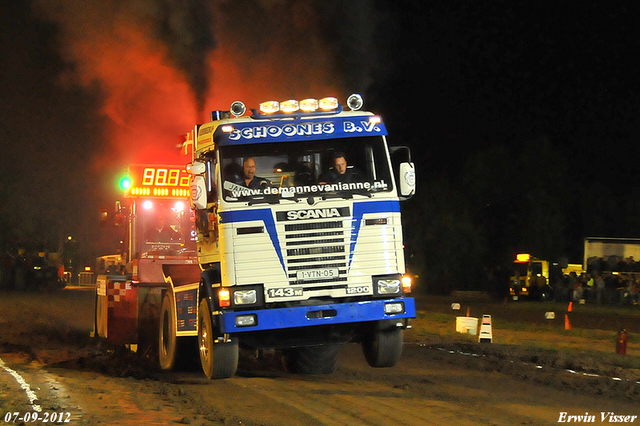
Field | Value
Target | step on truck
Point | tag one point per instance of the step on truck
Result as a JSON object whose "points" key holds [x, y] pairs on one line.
{"points": [[299, 247]]}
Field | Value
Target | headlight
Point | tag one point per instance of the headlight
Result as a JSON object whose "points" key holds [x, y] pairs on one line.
{"points": [[388, 286], [245, 297], [394, 308]]}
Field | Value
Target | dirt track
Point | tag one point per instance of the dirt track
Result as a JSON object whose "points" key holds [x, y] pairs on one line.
{"points": [[44, 339]]}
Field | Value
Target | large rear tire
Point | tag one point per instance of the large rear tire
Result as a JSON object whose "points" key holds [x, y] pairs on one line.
{"points": [[383, 347], [321, 359], [219, 360], [167, 340]]}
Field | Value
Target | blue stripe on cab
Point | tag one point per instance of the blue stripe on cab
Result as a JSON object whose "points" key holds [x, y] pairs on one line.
{"points": [[264, 215], [362, 208]]}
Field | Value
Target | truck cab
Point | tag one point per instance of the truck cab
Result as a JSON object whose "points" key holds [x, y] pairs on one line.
{"points": [[530, 280], [299, 233]]}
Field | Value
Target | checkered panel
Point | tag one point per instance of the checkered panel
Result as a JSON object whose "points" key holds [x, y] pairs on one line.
{"points": [[117, 291]]}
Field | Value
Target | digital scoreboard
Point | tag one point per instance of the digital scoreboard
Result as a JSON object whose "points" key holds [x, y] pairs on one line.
{"points": [[152, 180]]}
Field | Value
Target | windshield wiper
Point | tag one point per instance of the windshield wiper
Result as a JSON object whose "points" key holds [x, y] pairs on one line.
{"points": [[265, 200], [347, 195]]}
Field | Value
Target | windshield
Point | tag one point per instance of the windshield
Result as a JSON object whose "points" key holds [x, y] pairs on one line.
{"points": [[521, 269], [165, 225], [290, 170]]}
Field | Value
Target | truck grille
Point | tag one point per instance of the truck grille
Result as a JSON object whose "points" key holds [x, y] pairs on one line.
{"points": [[317, 246]]}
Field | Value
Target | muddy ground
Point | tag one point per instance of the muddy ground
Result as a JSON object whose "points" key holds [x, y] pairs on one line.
{"points": [[443, 378]]}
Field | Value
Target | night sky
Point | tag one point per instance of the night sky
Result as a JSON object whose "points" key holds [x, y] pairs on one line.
{"points": [[89, 87]]}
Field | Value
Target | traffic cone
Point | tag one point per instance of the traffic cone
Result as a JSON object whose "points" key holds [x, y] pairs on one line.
{"points": [[567, 325], [570, 307]]}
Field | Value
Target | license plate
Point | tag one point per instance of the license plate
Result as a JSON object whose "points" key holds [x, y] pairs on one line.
{"points": [[315, 274]]}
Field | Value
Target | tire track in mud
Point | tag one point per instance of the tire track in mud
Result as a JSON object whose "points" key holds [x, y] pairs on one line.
{"points": [[354, 394], [86, 398], [124, 401], [44, 393], [333, 400], [24, 385]]}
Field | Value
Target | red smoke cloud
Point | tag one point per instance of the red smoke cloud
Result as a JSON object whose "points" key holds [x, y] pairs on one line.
{"points": [[149, 103], [275, 53]]}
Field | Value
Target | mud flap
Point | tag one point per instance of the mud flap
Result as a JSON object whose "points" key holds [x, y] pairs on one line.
{"points": [[117, 310]]}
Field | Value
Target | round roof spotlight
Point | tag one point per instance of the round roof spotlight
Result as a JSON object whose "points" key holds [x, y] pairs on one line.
{"points": [[355, 102], [238, 109]]}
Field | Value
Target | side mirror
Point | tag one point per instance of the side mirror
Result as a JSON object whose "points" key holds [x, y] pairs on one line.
{"points": [[197, 168], [407, 179], [198, 192]]}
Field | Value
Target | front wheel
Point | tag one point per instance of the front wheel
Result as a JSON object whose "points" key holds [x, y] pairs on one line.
{"points": [[383, 347], [219, 360]]}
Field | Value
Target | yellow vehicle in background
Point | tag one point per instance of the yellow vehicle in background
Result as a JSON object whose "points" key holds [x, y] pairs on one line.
{"points": [[530, 279], [573, 267]]}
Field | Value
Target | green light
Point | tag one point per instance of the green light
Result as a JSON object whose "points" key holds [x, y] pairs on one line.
{"points": [[125, 183]]}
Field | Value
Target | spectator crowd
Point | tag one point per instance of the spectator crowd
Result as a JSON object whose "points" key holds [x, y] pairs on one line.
{"points": [[608, 280]]}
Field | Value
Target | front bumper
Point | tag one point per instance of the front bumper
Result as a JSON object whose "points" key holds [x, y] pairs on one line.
{"points": [[307, 316]]}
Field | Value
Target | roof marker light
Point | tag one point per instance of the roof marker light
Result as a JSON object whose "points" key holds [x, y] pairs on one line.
{"points": [[227, 128], [269, 107], [355, 102], [327, 104], [375, 120], [238, 109], [308, 105], [289, 106]]}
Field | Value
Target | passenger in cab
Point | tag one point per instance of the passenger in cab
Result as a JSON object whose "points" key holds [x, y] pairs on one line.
{"points": [[160, 232], [341, 172]]}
